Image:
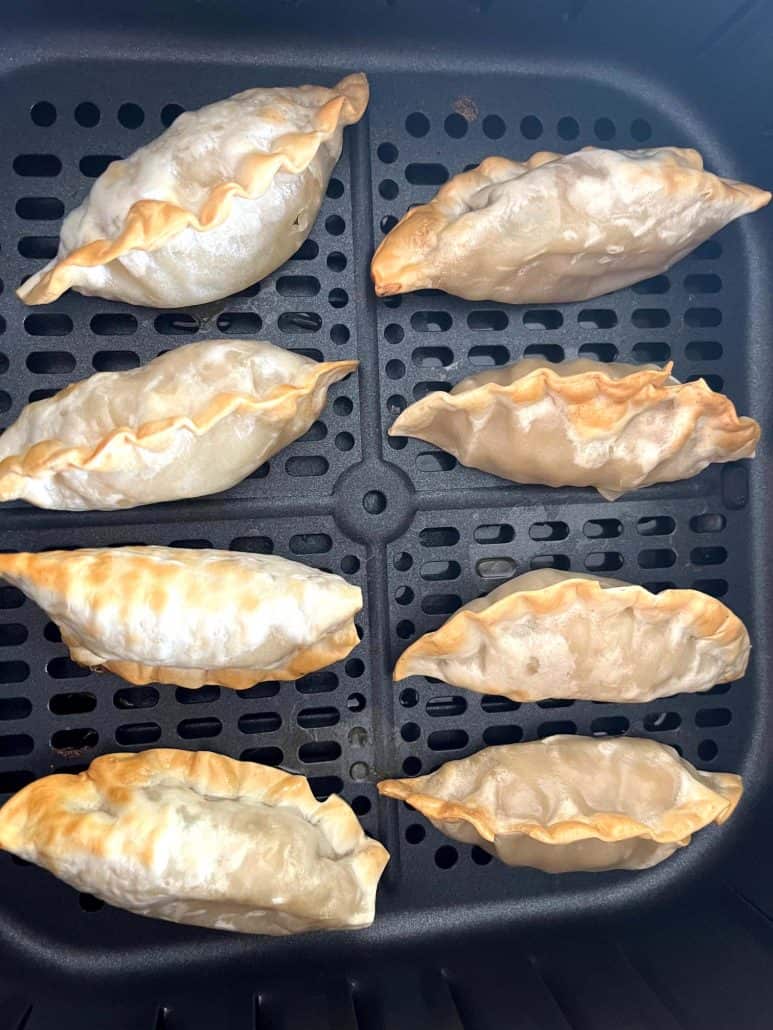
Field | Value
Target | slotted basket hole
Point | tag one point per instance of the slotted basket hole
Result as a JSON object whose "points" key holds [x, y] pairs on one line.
{"points": [[447, 740], [300, 322], [136, 697], [708, 555], [451, 707], [605, 352], [253, 544], [548, 319], [550, 561], [655, 525], [321, 682], [297, 286], [197, 696], [662, 722], [138, 733], [703, 350], [550, 351], [434, 461], [494, 704], [239, 323], [40, 209], [558, 726], [115, 360], [597, 318], [12, 708], [548, 531], [12, 634], [651, 318], [502, 734], [702, 318], [433, 571], [317, 751], [51, 362], [495, 568], [657, 558], [14, 744], [656, 285], [64, 668], [41, 166], [48, 324], [311, 465], [72, 703], [323, 786], [709, 522], [263, 755], [439, 536], [651, 352], [176, 323], [500, 533], [713, 717], [73, 742], [263, 722], [199, 729], [94, 165], [609, 726], [318, 718], [602, 529], [440, 604]]}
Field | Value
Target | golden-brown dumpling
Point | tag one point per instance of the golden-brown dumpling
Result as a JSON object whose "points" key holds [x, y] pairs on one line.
{"points": [[190, 617], [198, 838], [222, 198], [571, 804], [615, 427], [559, 227], [549, 634], [194, 421]]}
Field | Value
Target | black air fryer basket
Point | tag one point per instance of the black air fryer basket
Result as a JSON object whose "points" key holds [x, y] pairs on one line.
{"points": [[460, 941]]}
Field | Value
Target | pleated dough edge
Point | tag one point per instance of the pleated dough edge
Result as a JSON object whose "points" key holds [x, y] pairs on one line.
{"points": [[601, 404], [50, 456], [150, 223], [403, 263], [675, 826], [59, 797], [709, 617]]}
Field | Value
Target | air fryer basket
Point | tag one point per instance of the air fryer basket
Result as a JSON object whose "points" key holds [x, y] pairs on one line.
{"points": [[460, 940]]}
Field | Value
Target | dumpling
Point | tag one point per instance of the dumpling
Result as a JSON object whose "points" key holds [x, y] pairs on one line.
{"points": [[225, 196], [549, 634], [190, 617], [194, 421], [198, 838], [615, 427], [559, 227], [572, 804]]}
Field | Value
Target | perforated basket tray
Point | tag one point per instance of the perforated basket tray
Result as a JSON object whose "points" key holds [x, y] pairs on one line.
{"points": [[418, 532]]}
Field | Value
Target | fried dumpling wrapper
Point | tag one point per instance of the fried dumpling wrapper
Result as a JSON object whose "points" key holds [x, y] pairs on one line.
{"points": [[615, 427], [221, 199], [559, 227], [198, 838], [573, 804], [550, 634], [191, 617], [194, 421]]}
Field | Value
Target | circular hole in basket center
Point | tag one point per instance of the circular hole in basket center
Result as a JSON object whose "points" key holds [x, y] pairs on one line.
{"points": [[374, 502]]}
